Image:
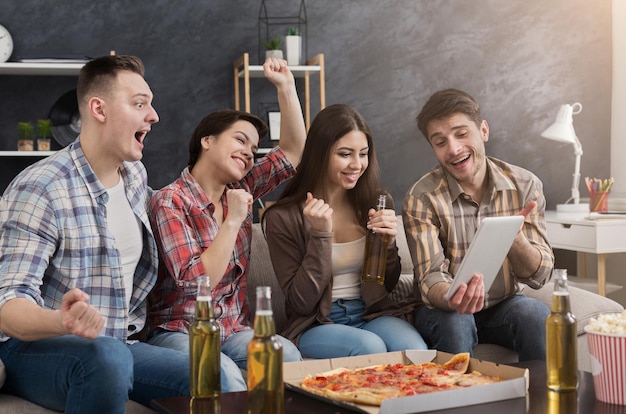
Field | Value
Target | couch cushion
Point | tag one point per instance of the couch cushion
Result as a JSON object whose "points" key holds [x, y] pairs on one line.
{"points": [[261, 273]]}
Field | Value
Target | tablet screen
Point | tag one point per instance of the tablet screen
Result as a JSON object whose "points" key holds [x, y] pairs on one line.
{"points": [[487, 251]]}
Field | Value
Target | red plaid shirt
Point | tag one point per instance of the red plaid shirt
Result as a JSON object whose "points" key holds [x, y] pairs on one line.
{"points": [[181, 215]]}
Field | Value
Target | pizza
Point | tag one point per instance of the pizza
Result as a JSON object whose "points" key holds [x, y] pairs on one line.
{"points": [[372, 385]]}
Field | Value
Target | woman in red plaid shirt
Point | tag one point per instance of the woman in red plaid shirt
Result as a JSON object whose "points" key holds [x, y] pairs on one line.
{"points": [[203, 224]]}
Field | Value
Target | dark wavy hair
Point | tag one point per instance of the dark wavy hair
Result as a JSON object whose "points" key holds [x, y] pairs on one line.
{"points": [[331, 124], [217, 122]]}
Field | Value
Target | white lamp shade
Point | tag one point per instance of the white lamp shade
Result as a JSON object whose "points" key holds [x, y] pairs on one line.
{"points": [[563, 128]]}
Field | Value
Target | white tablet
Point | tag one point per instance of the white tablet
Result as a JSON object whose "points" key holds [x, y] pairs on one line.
{"points": [[487, 251]]}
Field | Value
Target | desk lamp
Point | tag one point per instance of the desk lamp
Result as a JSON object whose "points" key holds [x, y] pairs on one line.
{"points": [[562, 130]]}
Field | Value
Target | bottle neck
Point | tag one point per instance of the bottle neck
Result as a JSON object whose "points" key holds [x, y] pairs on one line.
{"points": [[264, 316], [560, 295], [204, 302]]}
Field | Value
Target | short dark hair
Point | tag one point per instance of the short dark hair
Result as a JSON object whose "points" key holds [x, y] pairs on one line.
{"points": [[444, 103], [97, 75], [217, 122]]}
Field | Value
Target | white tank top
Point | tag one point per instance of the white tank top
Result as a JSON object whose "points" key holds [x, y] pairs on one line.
{"points": [[347, 262], [126, 227]]}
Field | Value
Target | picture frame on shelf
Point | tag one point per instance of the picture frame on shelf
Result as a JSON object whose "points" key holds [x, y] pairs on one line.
{"points": [[273, 122], [268, 142]]}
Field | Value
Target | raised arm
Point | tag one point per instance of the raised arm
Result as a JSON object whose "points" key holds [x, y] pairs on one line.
{"points": [[292, 129]]}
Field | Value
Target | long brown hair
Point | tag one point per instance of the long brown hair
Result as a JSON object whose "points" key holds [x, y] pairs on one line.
{"points": [[330, 125]]}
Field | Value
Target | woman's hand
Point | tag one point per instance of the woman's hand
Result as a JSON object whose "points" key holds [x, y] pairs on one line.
{"points": [[318, 213], [383, 222]]}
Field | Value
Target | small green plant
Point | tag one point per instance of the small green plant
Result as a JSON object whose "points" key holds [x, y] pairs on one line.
{"points": [[44, 128], [293, 31], [273, 44], [25, 130]]}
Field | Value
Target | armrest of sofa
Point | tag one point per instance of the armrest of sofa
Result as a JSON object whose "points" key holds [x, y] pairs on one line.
{"points": [[585, 304]]}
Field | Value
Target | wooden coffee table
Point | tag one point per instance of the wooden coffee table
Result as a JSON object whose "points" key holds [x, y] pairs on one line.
{"points": [[537, 401]]}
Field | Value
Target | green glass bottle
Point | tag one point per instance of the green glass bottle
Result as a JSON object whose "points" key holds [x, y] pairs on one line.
{"points": [[561, 338], [204, 346], [265, 360]]}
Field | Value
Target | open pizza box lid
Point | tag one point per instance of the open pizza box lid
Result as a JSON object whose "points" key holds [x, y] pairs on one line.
{"points": [[515, 384]]}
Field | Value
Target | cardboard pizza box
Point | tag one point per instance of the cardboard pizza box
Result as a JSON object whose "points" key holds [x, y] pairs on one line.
{"points": [[515, 384]]}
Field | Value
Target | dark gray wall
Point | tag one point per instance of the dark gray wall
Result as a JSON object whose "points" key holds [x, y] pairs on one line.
{"points": [[520, 58]]}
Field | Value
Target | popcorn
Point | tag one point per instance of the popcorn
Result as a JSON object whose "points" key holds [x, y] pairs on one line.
{"points": [[608, 323]]}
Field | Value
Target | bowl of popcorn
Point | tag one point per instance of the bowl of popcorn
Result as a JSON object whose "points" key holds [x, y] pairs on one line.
{"points": [[606, 336]]}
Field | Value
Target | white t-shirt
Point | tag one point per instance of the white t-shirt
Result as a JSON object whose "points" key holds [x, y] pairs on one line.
{"points": [[126, 227], [346, 267]]}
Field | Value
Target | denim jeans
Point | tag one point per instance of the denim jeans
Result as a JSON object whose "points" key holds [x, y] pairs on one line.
{"points": [[78, 375], [233, 358], [351, 335], [517, 323]]}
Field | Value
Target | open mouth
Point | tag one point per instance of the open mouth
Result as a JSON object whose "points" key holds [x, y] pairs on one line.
{"points": [[140, 135], [461, 161]]}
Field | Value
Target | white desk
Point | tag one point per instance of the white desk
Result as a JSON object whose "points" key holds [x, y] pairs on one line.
{"points": [[571, 231]]}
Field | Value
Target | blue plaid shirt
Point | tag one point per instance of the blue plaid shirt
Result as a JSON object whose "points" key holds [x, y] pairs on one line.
{"points": [[54, 237]]}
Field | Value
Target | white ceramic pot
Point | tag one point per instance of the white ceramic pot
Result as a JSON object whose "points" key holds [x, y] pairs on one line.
{"points": [[278, 54], [293, 47]]}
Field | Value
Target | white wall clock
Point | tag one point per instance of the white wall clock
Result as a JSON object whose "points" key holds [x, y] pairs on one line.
{"points": [[6, 44]]}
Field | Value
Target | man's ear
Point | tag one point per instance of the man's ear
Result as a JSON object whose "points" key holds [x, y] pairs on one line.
{"points": [[97, 108], [484, 130]]}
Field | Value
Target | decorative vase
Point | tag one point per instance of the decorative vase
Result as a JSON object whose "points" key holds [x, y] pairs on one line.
{"points": [[25, 144], [274, 53], [293, 47]]}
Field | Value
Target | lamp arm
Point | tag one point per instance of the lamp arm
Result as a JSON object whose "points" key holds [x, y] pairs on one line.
{"points": [[576, 181]]}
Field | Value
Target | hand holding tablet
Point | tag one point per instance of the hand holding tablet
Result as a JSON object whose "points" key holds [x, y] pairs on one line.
{"points": [[487, 251]]}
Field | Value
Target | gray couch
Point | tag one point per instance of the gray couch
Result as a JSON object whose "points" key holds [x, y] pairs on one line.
{"points": [[585, 305]]}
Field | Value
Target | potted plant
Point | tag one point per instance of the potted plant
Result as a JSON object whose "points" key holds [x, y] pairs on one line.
{"points": [[273, 48], [44, 132], [293, 45], [25, 136]]}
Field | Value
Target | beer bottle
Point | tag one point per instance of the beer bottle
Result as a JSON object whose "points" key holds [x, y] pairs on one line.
{"points": [[265, 360], [204, 346], [375, 260], [561, 339]]}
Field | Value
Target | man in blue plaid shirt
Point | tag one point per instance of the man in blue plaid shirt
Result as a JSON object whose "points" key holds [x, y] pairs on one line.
{"points": [[78, 258]]}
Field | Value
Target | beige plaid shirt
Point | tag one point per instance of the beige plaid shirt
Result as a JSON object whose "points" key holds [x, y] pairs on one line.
{"points": [[440, 221]]}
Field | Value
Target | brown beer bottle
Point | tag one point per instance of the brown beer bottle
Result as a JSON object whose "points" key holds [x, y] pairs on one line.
{"points": [[265, 360], [561, 339], [375, 260], [204, 346]]}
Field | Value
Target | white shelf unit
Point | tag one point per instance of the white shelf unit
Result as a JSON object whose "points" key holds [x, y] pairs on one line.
{"points": [[242, 69], [37, 69]]}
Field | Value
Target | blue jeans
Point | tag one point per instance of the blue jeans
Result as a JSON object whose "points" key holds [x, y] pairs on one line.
{"points": [[234, 355], [351, 335], [78, 375], [517, 323]]}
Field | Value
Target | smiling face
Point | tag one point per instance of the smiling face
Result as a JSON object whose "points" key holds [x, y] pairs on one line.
{"points": [[230, 155], [128, 114], [459, 146], [348, 160]]}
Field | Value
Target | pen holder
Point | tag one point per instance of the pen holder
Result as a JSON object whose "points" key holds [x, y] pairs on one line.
{"points": [[598, 202]]}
